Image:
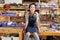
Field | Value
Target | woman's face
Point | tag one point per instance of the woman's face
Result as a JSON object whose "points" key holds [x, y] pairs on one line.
{"points": [[32, 8]]}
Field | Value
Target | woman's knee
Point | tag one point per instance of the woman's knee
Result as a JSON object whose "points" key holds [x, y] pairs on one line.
{"points": [[28, 33], [35, 33]]}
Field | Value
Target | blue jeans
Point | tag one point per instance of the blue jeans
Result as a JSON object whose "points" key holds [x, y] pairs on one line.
{"points": [[36, 37]]}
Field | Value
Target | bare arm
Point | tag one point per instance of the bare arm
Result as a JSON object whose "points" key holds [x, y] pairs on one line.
{"points": [[38, 20], [26, 17]]}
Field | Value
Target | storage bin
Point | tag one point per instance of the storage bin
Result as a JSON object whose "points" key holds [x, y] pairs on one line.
{"points": [[6, 38], [15, 38], [4, 24], [11, 14], [4, 13]]}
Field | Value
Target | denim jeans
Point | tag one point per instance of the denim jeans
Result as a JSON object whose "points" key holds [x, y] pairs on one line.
{"points": [[36, 37]]}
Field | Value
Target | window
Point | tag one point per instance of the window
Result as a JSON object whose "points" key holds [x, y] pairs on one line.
{"points": [[2, 1]]}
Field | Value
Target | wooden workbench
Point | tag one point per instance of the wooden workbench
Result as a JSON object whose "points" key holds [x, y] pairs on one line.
{"points": [[44, 33], [49, 34], [8, 30]]}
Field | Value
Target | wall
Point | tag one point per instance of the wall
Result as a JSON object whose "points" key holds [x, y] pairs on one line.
{"points": [[13, 1]]}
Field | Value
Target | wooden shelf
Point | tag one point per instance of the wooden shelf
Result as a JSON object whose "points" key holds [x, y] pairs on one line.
{"points": [[27, 3], [3, 18], [15, 8]]}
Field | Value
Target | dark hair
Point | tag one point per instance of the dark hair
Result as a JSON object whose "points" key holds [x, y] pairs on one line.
{"points": [[32, 4]]}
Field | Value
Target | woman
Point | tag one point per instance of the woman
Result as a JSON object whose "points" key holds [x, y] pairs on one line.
{"points": [[32, 22]]}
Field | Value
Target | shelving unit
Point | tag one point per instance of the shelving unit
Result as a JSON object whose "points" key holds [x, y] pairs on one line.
{"points": [[41, 11]]}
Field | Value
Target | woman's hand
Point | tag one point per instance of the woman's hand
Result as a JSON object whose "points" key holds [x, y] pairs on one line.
{"points": [[38, 30]]}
